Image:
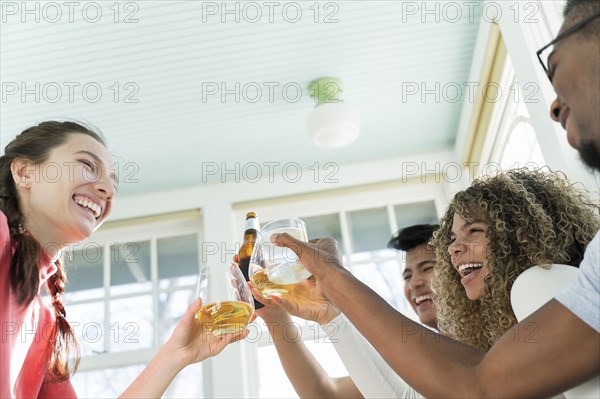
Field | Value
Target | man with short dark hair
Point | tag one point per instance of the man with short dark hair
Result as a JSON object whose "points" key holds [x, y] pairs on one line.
{"points": [[418, 268], [370, 376]]}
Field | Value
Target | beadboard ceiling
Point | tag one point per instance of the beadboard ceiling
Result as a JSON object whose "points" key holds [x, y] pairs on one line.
{"points": [[155, 60]]}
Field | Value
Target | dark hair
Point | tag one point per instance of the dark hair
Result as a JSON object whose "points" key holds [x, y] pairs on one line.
{"points": [[577, 10], [411, 237], [35, 144]]}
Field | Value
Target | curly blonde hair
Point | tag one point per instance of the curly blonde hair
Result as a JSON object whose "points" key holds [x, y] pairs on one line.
{"points": [[536, 217]]}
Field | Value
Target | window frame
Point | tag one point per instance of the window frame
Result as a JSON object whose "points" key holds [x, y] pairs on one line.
{"points": [[152, 230], [341, 202]]}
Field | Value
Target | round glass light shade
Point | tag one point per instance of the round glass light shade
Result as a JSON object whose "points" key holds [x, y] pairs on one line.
{"points": [[333, 125]]}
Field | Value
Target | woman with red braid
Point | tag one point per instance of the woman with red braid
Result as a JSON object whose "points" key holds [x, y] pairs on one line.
{"points": [[38, 218]]}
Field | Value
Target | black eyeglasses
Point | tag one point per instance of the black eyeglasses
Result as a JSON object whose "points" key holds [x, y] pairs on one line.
{"points": [[558, 38]]}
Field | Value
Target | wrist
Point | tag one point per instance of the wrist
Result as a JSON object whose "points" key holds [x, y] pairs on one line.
{"points": [[274, 315], [336, 321], [277, 323], [330, 277], [172, 357], [332, 314]]}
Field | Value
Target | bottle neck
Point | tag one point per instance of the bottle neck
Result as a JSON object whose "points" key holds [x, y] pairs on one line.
{"points": [[252, 223]]}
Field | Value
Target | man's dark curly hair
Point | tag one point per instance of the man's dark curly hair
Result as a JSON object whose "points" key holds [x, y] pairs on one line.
{"points": [[577, 10], [412, 236]]}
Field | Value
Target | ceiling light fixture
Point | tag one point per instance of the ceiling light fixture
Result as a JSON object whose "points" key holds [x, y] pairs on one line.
{"points": [[333, 123]]}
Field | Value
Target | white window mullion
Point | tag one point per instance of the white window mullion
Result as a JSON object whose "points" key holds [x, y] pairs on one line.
{"points": [[346, 234], [392, 218], [106, 277], [154, 279]]}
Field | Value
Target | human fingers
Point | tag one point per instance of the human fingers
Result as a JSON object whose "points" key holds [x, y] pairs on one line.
{"points": [[193, 309], [301, 248], [277, 299], [286, 240], [226, 339], [258, 296]]}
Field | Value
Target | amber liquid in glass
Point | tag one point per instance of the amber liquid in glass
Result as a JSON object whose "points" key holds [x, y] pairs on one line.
{"points": [[225, 317], [265, 286]]}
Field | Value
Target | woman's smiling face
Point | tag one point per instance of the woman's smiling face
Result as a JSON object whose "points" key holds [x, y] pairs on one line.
{"points": [[69, 195], [468, 253]]}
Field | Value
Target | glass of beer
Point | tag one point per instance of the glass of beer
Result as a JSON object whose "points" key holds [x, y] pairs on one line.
{"points": [[227, 303], [257, 269], [282, 264]]}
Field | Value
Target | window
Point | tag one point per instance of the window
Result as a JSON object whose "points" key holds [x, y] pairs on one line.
{"points": [[105, 383], [126, 292], [362, 231], [129, 287], [516, 143], [511, 141]]}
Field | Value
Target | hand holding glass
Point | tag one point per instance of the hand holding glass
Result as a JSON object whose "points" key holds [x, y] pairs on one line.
{"points": [[257, 269], [282, 264], [227, 302]]}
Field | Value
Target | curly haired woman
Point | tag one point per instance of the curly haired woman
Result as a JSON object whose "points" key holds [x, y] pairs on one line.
{"points": [[491, 233]]}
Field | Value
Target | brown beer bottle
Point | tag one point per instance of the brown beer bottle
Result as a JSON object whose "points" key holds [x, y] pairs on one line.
{"points": [[245, 253]]}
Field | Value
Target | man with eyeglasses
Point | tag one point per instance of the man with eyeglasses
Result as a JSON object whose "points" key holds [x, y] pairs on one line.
{"points": [[564, 349], [572, 66]]}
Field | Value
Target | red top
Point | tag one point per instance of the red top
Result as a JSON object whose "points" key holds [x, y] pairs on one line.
{"points": [[26, 332]]}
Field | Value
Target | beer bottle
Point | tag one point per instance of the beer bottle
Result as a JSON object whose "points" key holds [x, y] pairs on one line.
{"points": [[245, 253]]}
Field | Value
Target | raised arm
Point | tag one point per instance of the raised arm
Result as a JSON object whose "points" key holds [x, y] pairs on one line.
{"points": [[191, 342], [562, 352], [369, 373], [308, 377]]}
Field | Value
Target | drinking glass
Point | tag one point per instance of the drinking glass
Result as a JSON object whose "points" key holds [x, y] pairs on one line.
{"points": [[257, 270], [281, 263], [227, 303]]}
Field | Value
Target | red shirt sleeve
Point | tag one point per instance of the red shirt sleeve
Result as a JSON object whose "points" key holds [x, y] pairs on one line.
{"points": [[5, 324], [57, 390]]}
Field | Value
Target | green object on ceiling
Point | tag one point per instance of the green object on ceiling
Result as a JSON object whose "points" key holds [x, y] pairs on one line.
{"points": [[326, 90]]}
